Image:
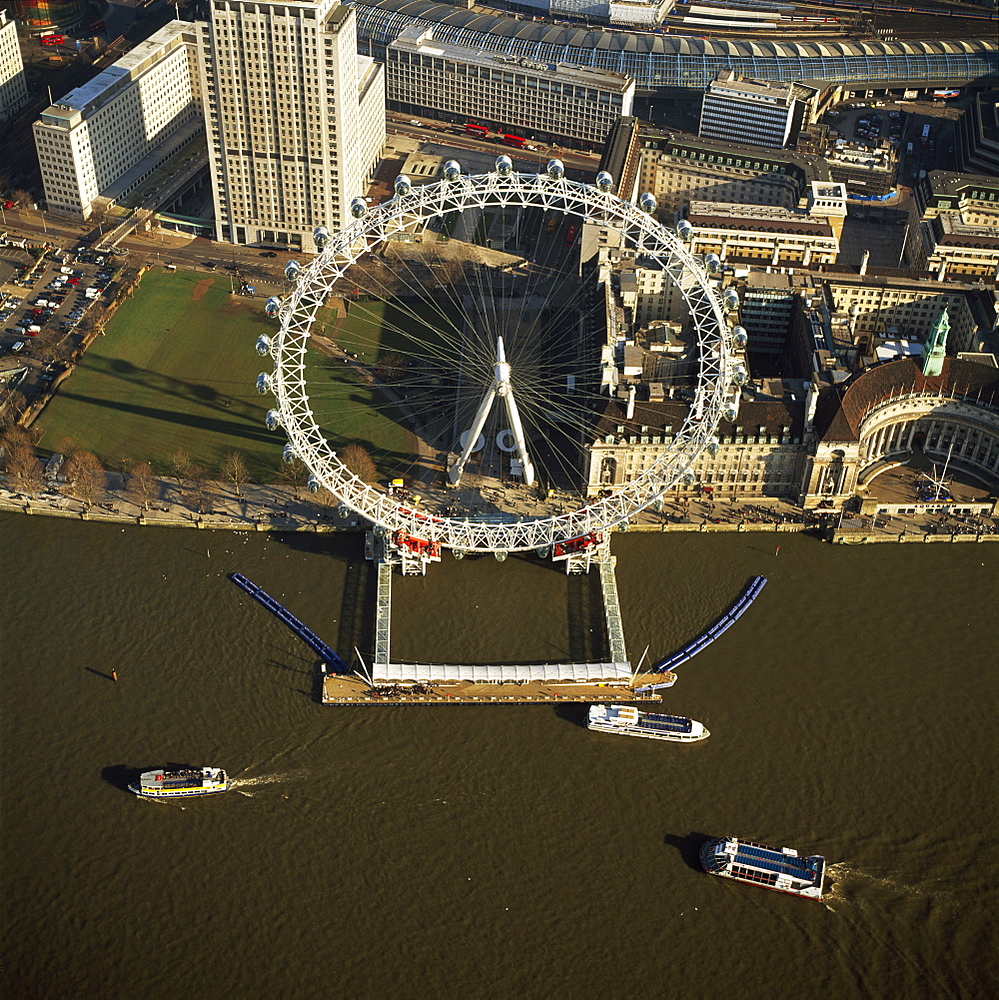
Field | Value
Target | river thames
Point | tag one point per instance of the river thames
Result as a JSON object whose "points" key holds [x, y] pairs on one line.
{"points": [[487, 851]]}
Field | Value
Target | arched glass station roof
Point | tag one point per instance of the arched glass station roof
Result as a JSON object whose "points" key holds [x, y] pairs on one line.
{"points": [[658, 61]]}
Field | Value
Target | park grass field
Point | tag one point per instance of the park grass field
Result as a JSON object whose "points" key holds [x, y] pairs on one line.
{"points": [[347, 407], [176, 370]]}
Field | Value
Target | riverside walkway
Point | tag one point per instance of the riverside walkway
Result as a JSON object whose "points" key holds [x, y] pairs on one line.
{"points": [[281, 508]]}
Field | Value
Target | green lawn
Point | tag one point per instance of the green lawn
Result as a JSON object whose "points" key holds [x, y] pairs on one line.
{"points": [[175, 370]]}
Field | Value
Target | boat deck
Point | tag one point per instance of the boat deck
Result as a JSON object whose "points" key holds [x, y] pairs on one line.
{"points": [[343, 689]]}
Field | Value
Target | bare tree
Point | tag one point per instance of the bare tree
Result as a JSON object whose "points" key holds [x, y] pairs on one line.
{"points": [[25, 472], [10, 440], [66, 446], [294, 474], [86, 476], [391, 366], [357, 460], [234, 470], [13, 403], [180, 465], [324, 500], [203, 489], [121, 464], [22, 198], [142, 485]]}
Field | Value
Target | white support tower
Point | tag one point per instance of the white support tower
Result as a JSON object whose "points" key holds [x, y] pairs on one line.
{"points": [[502, 387]]}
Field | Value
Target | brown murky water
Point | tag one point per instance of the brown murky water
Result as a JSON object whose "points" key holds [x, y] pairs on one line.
{"points": [[493, 851]]}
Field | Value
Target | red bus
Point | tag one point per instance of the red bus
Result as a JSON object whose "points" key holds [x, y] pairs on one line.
{"points": [[98, 26], [51, 39], [514, 140], [570, 235], [480, 131]]}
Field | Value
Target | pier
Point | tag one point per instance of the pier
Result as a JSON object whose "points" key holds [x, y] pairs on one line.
{"points": [[391, 682]]}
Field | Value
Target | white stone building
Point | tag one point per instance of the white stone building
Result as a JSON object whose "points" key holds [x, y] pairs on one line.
{"points": [[297, 118], [13, 88], [105, 138]]}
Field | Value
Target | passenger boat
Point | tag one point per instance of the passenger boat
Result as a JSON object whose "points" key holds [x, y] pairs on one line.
{"points": [[777, 868], [629, 721], [180, 782]]}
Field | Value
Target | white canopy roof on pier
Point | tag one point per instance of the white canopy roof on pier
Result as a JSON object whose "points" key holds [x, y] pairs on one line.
{"points": [[502, 673]]}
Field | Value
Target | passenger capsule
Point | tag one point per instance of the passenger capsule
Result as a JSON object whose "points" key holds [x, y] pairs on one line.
{"points": [[321, 236], [605, 182], [263, 344], [272, 420], [314, 485], [452, 170], [403, 185], [501, 555], [358, 208], [731, 298], [739, 336], [730, 411], [740, 376], [272, 305], [288, 453], [555, 170], [647, 202], [687, 478], [711, 446], [292, 270], [263, 383], [504, 166], [684, 230], [712, 263]]}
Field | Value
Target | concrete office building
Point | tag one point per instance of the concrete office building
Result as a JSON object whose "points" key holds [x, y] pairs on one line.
{"points": [[893, 307], [765, 234], [753, 112], [678, 170], [977, 135], [867, 172], [297, 118], [541, 100], [13, 88], [102, 140]]}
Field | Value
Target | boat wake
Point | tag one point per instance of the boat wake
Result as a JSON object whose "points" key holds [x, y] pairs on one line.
{"points": [[244, 785], [852, 886]]}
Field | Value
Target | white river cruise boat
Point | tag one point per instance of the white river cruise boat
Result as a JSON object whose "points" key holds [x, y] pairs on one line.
{"points": [[629, 721], [180, 782], [777, 868]]}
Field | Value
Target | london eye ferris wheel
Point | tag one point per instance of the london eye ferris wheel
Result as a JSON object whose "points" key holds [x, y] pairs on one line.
{"points": [[472, 362]]}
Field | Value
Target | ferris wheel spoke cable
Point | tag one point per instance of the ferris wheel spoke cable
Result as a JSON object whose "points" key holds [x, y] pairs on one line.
{"points": [[540, 311]]}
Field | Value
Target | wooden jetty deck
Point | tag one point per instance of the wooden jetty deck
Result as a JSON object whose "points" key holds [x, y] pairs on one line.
{"points": [[341, 689]]}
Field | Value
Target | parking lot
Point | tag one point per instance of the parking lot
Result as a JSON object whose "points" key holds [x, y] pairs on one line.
{"points": [[44, 309]]}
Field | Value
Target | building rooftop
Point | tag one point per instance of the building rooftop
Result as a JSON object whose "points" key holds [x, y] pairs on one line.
{"points": [[95, 93], [754, 218], [839, 416], [728, 82], [420, 38]]}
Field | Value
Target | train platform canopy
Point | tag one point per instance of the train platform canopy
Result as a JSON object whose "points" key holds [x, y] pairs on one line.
{"points": [[506, 673]]}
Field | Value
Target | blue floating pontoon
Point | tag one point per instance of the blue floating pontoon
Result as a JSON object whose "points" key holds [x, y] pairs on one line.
{"points": [[726, 621], [284, 615]]}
